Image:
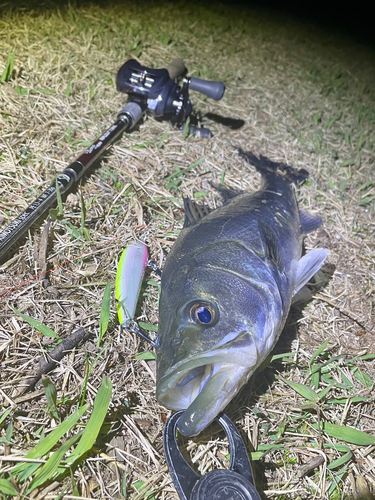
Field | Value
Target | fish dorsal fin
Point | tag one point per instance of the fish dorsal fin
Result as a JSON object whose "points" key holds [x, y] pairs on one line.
{"points": [[227, 193], [307, 266], [193, 212], [309, 222]]}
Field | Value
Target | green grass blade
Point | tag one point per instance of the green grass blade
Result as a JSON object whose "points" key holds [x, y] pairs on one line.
{"points": [[303, 390], [27, 471], [347, 434], [336, 480], [123, 485], [181, 172], [345, 380], [83, 211], [93, 426], [338, 447], [45, 91], [257, 455], [366, 357], [49, 441], [282, 356], [5, 414], [186, 130], [51, 395], [92, 91], [7, 488], [104, 313], [161, 142], [8, 70], [88, 371], [148, 327], [141, 487], [9, 432], [61, 495], [322, 394], [315, 374], [319, 351], [71, 229], [43, 329], [340, 461], [50, 467], [145, 355], [363, 378], [75, 492]]}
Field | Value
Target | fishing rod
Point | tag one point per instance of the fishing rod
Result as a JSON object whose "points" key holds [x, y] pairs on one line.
{"points": [[161, 93]]}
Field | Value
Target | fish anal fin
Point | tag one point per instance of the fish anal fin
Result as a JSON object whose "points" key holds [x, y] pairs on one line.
{"points": [[309, 222], [307, 266], [194, 212]]}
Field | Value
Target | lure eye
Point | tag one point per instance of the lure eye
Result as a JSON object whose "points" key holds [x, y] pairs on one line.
{"points": [[203, 314]]}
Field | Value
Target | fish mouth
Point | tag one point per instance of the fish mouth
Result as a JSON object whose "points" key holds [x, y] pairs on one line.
{"points": [[204, 384]]}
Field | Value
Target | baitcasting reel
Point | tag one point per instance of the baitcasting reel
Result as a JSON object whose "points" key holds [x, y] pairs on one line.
{"points": [[153, 91], [158, 92]]}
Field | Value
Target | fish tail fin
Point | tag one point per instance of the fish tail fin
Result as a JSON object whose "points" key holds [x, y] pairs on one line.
{"points": [[265, 167]]}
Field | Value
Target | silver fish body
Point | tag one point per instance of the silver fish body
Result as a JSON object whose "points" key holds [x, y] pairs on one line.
{"points": [[226, 290]]}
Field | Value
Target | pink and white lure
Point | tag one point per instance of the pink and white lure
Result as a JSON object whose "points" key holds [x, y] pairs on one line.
{"points": [[129, 278]]}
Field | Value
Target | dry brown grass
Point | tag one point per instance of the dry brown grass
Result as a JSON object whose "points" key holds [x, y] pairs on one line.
{"points": [[307, 99]]}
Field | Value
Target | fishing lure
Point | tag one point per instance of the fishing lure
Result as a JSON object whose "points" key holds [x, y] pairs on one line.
{"points": [[130, 272]]}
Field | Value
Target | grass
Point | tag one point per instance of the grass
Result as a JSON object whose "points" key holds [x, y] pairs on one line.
{"points": [[307, 98]]}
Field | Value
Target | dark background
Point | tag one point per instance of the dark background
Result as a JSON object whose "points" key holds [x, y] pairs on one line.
{"points": [[353, 19]]}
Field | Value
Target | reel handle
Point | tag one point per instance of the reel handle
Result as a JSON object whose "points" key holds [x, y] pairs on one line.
{"points": [[163, 93], [213, 90]]}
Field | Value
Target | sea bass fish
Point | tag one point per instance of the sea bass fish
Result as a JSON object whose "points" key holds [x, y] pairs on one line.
{"points": [[226, 290]]}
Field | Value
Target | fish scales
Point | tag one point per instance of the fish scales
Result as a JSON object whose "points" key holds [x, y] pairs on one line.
{"points": [[226, 290]]}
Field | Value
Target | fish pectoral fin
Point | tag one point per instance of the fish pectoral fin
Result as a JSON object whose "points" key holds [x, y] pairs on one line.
{"points": [[194, 212], [307, 266], [309, 222]]}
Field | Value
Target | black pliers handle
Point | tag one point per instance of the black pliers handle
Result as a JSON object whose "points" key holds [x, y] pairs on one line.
{"points": [[237, 482]]}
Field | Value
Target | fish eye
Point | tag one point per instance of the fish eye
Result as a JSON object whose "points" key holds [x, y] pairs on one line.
{"points": [[203, 314]]}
